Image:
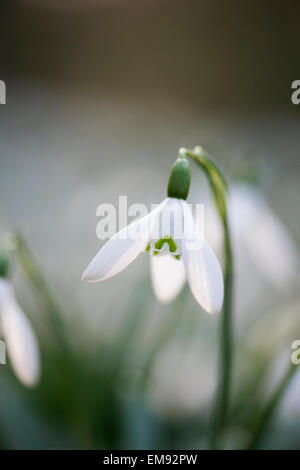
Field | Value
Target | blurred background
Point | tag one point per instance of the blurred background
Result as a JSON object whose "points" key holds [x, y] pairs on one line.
{"points": [[100, 96]]}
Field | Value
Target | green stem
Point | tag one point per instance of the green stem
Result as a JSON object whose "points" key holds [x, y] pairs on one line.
{"points": [[225, 346], [218, 188], [266, 416]]}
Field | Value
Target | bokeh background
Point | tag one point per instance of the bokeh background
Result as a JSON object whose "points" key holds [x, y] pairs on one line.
{"points": [[100, 96]]}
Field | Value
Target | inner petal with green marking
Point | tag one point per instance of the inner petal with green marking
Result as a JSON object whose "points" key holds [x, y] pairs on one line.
{"points": [[159, 247]]}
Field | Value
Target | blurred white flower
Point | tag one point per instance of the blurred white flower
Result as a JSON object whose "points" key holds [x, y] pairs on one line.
{"points": [[21, 343], [168, 231], [291, 400], [257, 231]]}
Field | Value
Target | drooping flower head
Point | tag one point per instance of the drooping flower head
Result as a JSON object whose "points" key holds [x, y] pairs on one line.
{"points": [[177, 248]]}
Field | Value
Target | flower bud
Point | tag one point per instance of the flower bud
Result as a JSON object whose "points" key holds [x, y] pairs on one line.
{"points": [[180, 179]]}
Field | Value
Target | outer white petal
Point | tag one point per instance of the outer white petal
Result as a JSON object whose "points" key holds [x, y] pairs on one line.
{"points": [[122, 248], [168, 277], [6, 292], [202, 267], [21, 344]]}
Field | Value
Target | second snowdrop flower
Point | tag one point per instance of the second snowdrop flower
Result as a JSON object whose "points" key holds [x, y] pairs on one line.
{"points": [[20, 340], [177, 247]]}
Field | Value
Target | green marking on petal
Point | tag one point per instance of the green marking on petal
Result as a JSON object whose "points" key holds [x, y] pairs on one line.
{"points": [[159, 245], [166, 239]]}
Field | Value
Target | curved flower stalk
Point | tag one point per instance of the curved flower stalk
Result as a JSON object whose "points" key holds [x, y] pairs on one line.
{"points": [[20, 340], [171, 236]]}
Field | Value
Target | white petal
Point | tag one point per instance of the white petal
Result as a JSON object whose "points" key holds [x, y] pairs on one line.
{"points": [[202, 267], [213, 231], [169, 223], [168, 277], [122, 248], [6, 292], [21, 344], [244, 202]]}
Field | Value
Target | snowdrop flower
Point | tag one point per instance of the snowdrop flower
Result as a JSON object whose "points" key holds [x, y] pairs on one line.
{"points": [[257, 231], [20, 340], [177, 248]]}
